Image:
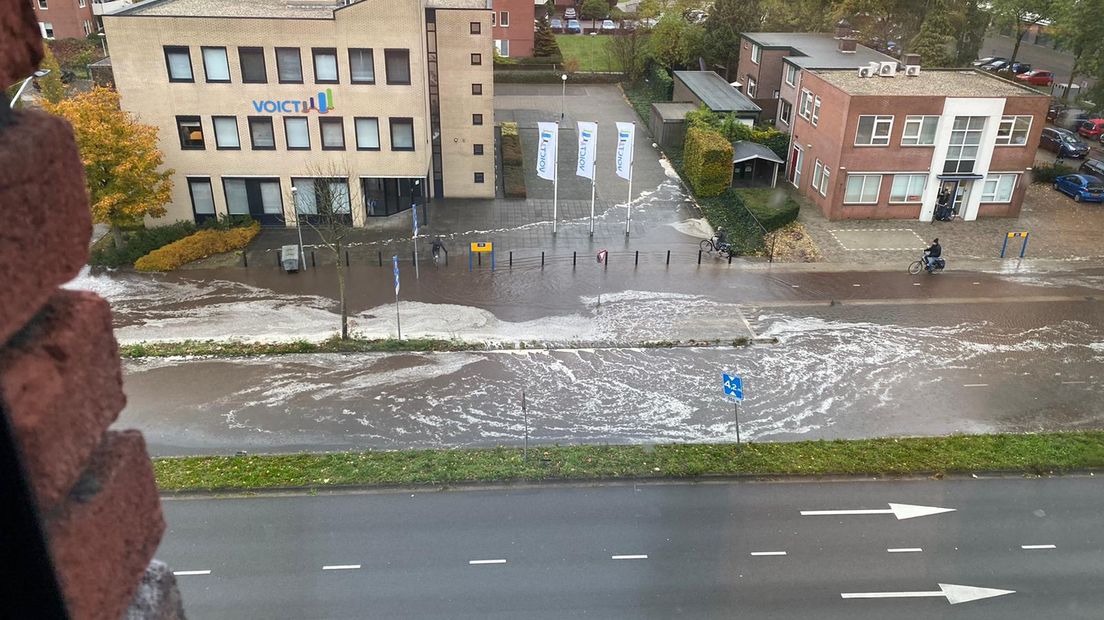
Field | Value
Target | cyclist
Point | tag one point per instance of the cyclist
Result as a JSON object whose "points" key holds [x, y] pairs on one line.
{"points": [[932, 253], [721, 239], [438, 247]]}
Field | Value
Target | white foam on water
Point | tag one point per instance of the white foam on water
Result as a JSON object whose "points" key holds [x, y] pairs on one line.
{"points": [[698, 228]]}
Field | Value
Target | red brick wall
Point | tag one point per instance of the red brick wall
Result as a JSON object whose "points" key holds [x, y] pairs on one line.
{"points": [[520, 31], [60, 374], [767, 75], [67, 17], [825, 138]]}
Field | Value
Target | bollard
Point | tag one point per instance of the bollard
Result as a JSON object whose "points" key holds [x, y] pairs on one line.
{"points": [[380, 253], [279, 263], [245, 259], [668, 257], [636, 261], [542, 259], [511, 259], [573, 257], [346, 258], [313, 263], [699, 257], [479, 259], [730, 258], [605, 263]]}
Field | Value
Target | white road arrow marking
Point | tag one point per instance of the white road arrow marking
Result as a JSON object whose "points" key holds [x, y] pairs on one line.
{"points": [[954, 594], [901, 511]]}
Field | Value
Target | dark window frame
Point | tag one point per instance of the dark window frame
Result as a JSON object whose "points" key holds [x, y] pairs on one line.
{"points": [[480, 178], [477, 149], [356, 136], [214, 132], [191, 197], [202, 58], [477, 89], [387, 67], [331, 120], [391, 136], [372, 55], [315, 51], [287, 141], [252, 143], [241, 64], [299, 53], [475, 28], [477, 120], [476, 59], [167, 49], [180, 134]]}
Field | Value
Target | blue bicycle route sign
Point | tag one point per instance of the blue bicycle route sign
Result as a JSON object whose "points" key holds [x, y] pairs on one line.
{"points": [[733, 387]]}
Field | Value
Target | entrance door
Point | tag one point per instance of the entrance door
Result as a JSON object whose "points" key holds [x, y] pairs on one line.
{"points": [[795, 165], [961, 195]]}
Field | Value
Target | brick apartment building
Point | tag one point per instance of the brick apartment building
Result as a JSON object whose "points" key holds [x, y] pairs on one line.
{"points": [[264, 107], [64, 19], [884, 147], [513, 27], [771, 64]]}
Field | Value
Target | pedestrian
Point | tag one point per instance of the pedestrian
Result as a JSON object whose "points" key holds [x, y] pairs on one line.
{"points": [[438, 247]]}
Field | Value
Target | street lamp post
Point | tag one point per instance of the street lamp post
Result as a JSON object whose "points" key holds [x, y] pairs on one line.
{"points": [[103, 42], [298, 224], [563, 94], [23, 87]]}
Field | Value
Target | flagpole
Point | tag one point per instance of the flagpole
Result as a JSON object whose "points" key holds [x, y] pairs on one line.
{"points": [[593, 181], [556, 181], [628, 204]]}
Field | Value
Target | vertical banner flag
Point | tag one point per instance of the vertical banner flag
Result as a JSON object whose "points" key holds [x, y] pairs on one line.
{"points": [[625, 137], [546, 150], [588, 144]]}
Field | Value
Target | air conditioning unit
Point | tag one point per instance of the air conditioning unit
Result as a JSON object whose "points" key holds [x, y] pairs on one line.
{"points": [[873, 66], [887, 69], [866, 72], [912, 70]]}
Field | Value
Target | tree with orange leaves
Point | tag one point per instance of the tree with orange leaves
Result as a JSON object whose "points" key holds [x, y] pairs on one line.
{"points": [[122, 164]]}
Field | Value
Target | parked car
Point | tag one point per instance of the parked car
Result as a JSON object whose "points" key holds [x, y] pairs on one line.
{"points": [[996, 65], [556, 24], [569, 13], [1092, 128], [1081, 186], [574, 27], [695, 16], [1037, 77], [1093, 167], [1019, 68], [608, 27], [981, 62], [1063, 142]]}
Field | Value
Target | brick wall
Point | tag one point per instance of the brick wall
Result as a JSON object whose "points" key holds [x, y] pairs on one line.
{"points": [[66, 16], [519, 32], [60, 374]]}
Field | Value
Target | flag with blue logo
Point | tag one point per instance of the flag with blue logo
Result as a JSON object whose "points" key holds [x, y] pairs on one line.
{"points": [[733, 387], [547, 141], [588, 144], [626, 135]]}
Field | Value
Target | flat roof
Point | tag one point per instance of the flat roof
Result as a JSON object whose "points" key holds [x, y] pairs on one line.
{"points": [[715, 92], [673, 110], [817, 50], [304, 9], [930, 82]]}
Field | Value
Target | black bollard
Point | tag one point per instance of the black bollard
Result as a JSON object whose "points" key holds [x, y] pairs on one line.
{"points": [[574, 256], [699, 257], [511, 259], [313, 262], [380, 253], [279, 263], [668, 257], [346, 258], [542, 259], [479, 259], [730, 258], [245, 259], [636, 262]]}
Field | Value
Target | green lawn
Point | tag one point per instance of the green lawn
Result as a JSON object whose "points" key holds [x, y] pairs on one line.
{"points": [[590, 50]]}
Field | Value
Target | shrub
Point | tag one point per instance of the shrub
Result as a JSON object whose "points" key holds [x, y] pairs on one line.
{"points": [[728, 211], [708, 161], [139, 242], [513, 170], [202, 244], [774, 208], [1046, 173]]}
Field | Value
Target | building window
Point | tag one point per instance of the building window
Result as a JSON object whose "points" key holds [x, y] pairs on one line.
{"points": [[862, 189], [477, 89], [998, 187], [504, 18], [815, 118], [818, 168], [87, 26], [756, 53], [791, 75], [47, 29], [226, 132], [873, 131], [203, 199], [179, 63], [805, 106], [751, 86], [824, 182], [82, 3], [475, 27], [191, 133], [477, 149], [1013, 131], [477, 119], [798, 161], [476, 59], [215, 64], [907, 187], [289, 65], [965, 138], [42, 5], [310, 193], [297, 132], [333, 133], [367, 134], [919, 130], [398, 66], [402, 134], [492, 18], [362, 67], [252, 63], [503, 47], [785, 111], [479, 177], [325, 65], [261, 134], [259, 198]]}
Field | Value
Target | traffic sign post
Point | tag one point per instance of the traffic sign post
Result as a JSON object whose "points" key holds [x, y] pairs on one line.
{"points": [[733, 387], [1015, 235], [395, 269], [481, 247]]}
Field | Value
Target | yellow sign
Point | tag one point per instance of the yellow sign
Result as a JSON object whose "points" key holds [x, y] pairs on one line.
{"points": [[1013, 235], [482, 247]]}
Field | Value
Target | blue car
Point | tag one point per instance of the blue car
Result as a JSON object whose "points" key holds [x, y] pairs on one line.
{"points": [[573, 26], [1081, 186]]}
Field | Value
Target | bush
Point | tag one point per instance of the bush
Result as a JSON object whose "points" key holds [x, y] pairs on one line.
{"points": [[774, 208], [708, 161], [513, 169], [200, 245], [728, 211], [138, 243], [1046, 173]]}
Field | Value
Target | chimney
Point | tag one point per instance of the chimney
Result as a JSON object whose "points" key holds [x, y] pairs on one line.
{"points": [[911, 59], [843, 29], [847, 45]]}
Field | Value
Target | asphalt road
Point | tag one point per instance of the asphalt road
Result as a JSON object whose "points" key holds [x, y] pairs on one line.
{"points": [[656, 550]]}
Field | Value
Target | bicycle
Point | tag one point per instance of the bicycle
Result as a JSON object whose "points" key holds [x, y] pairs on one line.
{"points": [[921, 265], [709, 247]]}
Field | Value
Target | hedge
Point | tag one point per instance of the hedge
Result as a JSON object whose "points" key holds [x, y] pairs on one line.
{"points": [[200, 245], [138, 243], [708, 161], [774, 208], [1046, 173], [513, 170]]}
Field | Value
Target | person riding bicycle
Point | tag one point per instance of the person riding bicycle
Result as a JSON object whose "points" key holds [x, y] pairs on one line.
{"points": [[720, 239], [932, 253], [438, 247]]}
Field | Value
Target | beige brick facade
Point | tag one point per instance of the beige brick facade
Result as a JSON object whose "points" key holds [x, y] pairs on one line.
{"points": [[138, 54]]}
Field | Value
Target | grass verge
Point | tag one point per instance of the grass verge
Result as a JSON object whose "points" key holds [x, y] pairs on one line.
{"points": [[213, 348], [1037, 453], [591, 52]]}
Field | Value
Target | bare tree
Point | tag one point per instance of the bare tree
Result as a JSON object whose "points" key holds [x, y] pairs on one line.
{"points": [[324, 203]]}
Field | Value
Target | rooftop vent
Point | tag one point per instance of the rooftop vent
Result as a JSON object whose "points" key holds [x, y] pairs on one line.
{"points": [[847, 45]]}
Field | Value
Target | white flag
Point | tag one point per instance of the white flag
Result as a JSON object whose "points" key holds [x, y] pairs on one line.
{"points": [[588, 145], [546, 150], [626, 134]]}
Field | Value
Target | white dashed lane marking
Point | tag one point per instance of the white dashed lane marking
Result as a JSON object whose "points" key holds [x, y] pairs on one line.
{"points": [[342, 567], [1035, 547], [185, 573], [759, 553], [498, 561], [629, 557], [905, 550]]}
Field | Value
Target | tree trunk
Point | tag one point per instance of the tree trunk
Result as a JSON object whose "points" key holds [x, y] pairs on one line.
{"points": [[1073, 74], [341, 295], [1020, 33], [117, 235]]}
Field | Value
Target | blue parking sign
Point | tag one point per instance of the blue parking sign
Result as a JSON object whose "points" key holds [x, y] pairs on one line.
{"points": [[733, 387]]}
